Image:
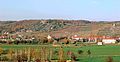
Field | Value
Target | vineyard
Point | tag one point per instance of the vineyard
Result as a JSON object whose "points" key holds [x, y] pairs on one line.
{"points": [[65, 53]]}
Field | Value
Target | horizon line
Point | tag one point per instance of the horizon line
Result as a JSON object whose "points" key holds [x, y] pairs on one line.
{"points": [[62, 19]]}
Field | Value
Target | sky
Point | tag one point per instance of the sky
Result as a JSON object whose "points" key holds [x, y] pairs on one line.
{"points": [[93, 10]]}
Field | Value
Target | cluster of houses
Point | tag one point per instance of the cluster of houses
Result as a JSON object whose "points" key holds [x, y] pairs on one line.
{"points": [[98, 39], [10, 38]]}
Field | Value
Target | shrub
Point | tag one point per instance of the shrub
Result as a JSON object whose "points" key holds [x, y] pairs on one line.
{"points": [[89, 52], [1, 51], [73, 57], [56, 52], [109, 59], [80, 51]]}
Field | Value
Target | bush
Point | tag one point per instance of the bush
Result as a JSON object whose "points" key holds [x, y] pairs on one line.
{"points": [[56, 52], [5, 51], [80, 51], [1, 51], [89, 52], [73, 57], [109, 59]]}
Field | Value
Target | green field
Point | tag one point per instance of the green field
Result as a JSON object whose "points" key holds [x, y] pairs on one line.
{"points": [[98, 53]]}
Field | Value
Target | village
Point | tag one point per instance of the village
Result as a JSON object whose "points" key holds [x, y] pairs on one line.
{"points": [[59, 31], [73, 43], [18, 48], [7, 38]]}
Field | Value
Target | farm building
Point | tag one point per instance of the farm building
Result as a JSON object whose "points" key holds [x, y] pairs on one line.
{"points": [[109, 41]]}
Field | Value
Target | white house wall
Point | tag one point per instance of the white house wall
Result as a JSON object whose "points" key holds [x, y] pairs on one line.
{"points": [[108, 41]]}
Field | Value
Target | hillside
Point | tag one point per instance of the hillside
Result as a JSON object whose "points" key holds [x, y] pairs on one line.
{"points": [[39, 25], [63, 27]]}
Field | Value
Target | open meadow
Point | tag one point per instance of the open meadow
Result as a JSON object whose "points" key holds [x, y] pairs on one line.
{"points": [[88, 53]]}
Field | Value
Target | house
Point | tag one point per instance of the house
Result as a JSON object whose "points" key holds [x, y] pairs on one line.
{"points": [[109, 41], [99, 43], [6, 33], [49, 37], [29, 31], [92, 39], [75, 37]]}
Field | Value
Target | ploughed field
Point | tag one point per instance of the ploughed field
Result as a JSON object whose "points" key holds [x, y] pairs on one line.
{"points": [[87, 53]]}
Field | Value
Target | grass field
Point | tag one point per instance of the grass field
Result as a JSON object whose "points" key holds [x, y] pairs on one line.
{"points": [[98, 53]]}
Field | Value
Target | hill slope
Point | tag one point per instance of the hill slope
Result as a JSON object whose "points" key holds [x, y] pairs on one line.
{"points": [[63, 27]]}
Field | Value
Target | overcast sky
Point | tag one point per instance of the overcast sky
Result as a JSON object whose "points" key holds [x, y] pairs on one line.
{"points": [[96, 10]]}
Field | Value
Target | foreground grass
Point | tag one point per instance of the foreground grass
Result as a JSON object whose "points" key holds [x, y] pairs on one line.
{"points": [[98, 53]]}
